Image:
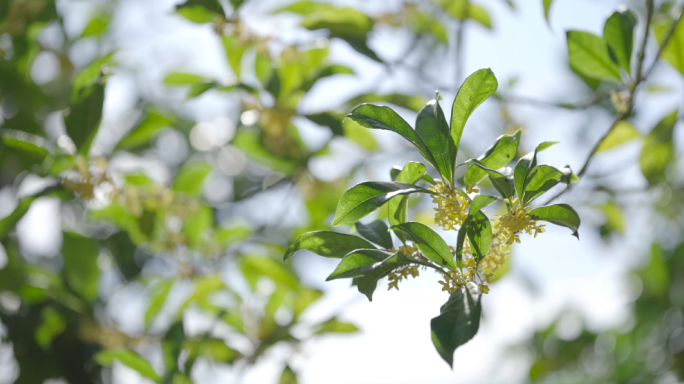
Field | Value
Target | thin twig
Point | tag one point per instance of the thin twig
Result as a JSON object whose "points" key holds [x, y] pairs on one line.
{"points": [[581, 105]]}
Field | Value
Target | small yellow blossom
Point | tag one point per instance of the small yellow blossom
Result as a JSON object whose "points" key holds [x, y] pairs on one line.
{"points": [[516, 221], [452, 206]]}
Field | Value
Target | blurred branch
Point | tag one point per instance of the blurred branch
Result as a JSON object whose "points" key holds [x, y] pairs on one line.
{"points": [[581, 105], [640, 77]]}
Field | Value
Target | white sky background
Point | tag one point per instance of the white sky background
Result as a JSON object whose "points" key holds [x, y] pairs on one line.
{"points": [[550, 274]]}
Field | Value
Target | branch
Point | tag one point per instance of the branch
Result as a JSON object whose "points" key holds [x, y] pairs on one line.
{"points": [[632, 91]]}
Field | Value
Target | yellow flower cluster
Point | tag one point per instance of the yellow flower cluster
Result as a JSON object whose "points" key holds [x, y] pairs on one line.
{"points": [[452, 206], [516, 221], [403, 272]]}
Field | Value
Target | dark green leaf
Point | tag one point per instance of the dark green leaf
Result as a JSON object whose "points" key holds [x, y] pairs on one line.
{"points": [[527, 162], [502, 184], [80, 265], [559, 214], [458, 321], [360, 262], [398, 206], [658, 151], [430, 244], [377, 232], [433, 129], [619, 35], [498, 155], [589, 56], [479, 232], [377, 117], [474, 91], [364, 198], [328, 244], [83, 121]]}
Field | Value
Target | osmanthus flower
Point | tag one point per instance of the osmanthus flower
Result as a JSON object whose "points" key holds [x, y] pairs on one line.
{"points": [[467, 268]]}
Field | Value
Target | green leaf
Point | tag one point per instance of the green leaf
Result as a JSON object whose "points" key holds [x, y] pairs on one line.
{"points": [[327, 71], [235, 49], [359, 135], [90, 76], [80, 265], [502, 184], [145, 130], [377, 232], [498, 155], [463, 10], [364, 198], [527, 162], [394, 172], [623, 132], [479, 232], [130, 359], [288, 376], [272, 268], [52, 326], [481, 201], [658, 151], [335, 326], [369, 281], [398, 206], [430, 244], [547, 8], [327, 244], [197, 14], [674, 51], [360, 262], [189, 179], [26, 144], [195, 226], [96, 26], [378, 117], [180, 78], [160, 292], [458, 321], [589, 56], [83, 121], [477, 228], [540, 179], [433, 129], [474, 91], [559, 214], [618, 33]]}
